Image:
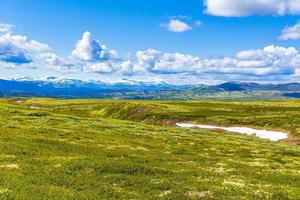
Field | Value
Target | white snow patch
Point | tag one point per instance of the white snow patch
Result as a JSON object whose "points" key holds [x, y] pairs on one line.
{"points": [[264, 134], [38, 108]]}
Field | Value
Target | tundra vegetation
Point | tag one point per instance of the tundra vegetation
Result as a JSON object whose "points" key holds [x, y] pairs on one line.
{"points": [[117, 149]]}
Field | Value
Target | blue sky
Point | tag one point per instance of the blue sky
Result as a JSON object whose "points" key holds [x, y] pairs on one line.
{"points": [[184, 34]]}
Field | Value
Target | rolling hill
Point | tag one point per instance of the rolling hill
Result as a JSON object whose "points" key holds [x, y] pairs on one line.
{"points": [[85, 149]]}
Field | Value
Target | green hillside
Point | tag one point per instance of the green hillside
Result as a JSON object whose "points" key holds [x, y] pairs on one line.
{"points": [[106, 149]]}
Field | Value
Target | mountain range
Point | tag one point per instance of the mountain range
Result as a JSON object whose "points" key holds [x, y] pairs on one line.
{"points": [[72, 88]]}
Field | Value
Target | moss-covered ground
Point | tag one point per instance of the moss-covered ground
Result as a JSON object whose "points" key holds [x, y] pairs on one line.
{"points": [[105, 149]]}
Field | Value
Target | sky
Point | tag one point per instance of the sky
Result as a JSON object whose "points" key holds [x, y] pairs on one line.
{"points": [[174, 41]]}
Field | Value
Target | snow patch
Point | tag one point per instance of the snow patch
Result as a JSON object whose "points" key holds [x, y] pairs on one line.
{"points": [[264, 134]]}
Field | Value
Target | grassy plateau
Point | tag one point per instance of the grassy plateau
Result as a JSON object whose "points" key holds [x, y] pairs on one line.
{"points": [[117, 149]]}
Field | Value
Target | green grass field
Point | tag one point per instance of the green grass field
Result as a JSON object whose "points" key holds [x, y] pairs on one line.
{"points": [[106, 149]]}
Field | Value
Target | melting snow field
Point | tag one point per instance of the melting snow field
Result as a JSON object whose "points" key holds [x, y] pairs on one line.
{"points": [[271, 135]]}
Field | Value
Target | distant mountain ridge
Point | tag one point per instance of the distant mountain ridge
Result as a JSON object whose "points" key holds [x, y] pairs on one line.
{"points": [[236, 86], [73, 88], [76, 88]]}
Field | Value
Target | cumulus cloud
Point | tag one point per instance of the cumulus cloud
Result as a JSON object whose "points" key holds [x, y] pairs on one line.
{"points": [[89, 56], [241, 8], [11, 54], [6, 27], [17, 50], [155, 61], [93, 57], [99, 67], [290, 33], [90, 49], [177, 26], [269, 61], [181, 23]]}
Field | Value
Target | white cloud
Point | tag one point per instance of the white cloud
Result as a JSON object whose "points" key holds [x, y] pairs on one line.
{"points": [[177, 26], [155, 61], [90, 49], [9, 53], [6, 27], [105, 67], [241, 8], [297, 72], [272, 63], [290, 33], [181, 23], [93, 57], [18, 50]]}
